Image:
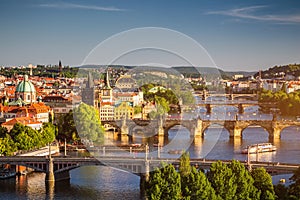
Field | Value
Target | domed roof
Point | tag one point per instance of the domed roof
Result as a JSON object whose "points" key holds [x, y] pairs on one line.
{"points": [[25, 86], [126, 81]]}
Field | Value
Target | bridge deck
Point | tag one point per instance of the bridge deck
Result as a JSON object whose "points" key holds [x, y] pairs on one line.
{"points": [[271, 167]]}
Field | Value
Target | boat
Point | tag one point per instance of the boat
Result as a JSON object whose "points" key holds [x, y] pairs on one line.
{"points": [[175, 151], [259, 148], [7, 174]]}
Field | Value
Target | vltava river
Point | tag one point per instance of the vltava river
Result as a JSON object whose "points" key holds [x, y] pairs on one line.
{"points": [[98, 182]]}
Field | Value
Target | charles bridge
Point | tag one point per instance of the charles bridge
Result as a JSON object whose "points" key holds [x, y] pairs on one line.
{"points": [[198, 126]]}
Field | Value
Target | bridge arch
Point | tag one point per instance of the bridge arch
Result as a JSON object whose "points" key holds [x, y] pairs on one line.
{"points": [[266, 126], [206, 126], [290, 130], [177, 123]]}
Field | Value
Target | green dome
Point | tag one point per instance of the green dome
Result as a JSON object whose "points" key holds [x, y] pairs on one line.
{"points": [[25, 86]]}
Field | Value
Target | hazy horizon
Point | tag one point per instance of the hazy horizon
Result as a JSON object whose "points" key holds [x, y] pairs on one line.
{"points": [[238, 35]]}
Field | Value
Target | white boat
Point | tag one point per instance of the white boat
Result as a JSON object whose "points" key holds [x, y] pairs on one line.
{"points": [[259, 148]]}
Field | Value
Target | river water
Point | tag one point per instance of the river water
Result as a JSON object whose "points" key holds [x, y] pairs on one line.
{"points": [[99, 182]]}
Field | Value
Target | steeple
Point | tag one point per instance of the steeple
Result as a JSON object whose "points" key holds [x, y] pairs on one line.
{"points": [[60, 68], [106, 81], [90, 82]]}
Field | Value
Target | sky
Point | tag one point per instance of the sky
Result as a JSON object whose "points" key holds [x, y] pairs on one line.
{"points": [[237, 35]]}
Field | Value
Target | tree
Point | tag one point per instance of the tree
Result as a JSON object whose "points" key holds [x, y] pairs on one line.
{"points": [[164, 183], [47, 133], [263, 182], [172, 186], [88, 123], [197, 186], [222, 180], [185, 170], [243, 181], [281, 192], [66, 127], [155, 185], [184, 165], [7, 146], [294, 189], [3, 132]]}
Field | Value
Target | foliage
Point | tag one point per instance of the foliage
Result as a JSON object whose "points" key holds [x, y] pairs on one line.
{"points": [[197, 186], [243, 181], [281, 192], [3, 132], [88, 123], [164, 183], [23, 137], [289, 104], [7, 146], [263, 182], [184, 165], [294, 189], [137, 109], [280, 71], [222, 180], [66, 127]]}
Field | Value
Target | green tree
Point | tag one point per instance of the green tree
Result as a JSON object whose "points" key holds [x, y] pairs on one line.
{"points": [[185, 170], [281, 192], [184, 165], [7, 146], [164, 183], [88, 123], [197, 187], [155, 185], [263, 182], [294, 189], [222, 180], [162, 105], [66, 127], [47, 133], [3, 132], [172, 187], [244, 182]]}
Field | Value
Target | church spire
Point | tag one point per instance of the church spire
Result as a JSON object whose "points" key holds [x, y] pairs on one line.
{"points": [[90, 82], [106, 80]]}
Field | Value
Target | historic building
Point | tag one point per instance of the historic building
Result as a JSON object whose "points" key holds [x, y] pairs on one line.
{"points": [[124, 110], [88, 93], [26, 91]]}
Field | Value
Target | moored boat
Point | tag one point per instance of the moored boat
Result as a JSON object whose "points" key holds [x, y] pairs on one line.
{"points": [[259, 148], [7, 174]]}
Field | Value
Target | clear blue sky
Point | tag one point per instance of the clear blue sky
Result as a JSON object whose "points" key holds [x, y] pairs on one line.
{"points": [[239, 35]]}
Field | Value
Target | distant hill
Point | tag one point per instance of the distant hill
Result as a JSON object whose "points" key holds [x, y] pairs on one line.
{"points": [[209, 72], [280, 71]]}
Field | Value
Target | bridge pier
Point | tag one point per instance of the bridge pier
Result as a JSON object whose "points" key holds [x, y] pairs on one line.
{"points": [[50, 171], [275, 134], [241, 108], [236, 133], [197, 130], [208, 108]]}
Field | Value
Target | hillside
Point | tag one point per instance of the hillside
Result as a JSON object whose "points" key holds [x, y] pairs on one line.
{"points": [[280, 71]]}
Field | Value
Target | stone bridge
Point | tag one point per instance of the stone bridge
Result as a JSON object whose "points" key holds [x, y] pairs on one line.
{"points": [[204, 95], [197, 127], [239, 105]]}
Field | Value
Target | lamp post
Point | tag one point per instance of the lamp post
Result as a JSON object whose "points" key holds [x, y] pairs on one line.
{"points": [[248, 159]]}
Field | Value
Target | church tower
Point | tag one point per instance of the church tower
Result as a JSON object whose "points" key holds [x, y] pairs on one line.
{"points": [[106, 93], [88, 93]]}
